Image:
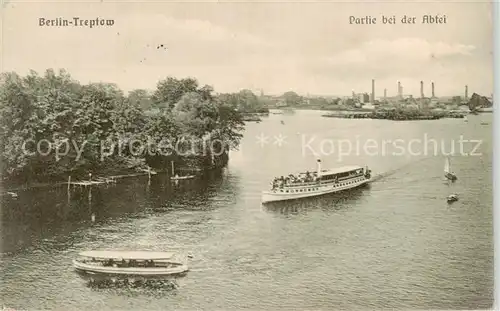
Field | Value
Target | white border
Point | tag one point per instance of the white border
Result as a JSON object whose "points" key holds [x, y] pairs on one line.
{"points": [[496, 150]]}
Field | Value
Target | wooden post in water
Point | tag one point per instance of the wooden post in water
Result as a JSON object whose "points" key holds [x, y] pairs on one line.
{"points": [[90, 197], [149, 175], [69, 189], [172, 162]]}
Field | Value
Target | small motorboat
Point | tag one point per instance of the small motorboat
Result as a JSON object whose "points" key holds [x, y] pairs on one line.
{"points": [[132, 266], [452, 198]]}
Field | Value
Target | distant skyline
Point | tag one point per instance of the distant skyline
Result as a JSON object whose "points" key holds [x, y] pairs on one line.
{"points": [[277, 47]]}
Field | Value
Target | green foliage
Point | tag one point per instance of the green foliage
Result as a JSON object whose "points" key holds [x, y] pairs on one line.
{"points": [[245, 101], [403, 113], [93, 126], [478, 101], [141, 98], [292, 98]]}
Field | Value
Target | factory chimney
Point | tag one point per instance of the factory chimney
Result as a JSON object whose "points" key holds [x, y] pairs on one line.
{"points": [[399, 89], [422, 89], [432, 90], [373, 91], [466, 93], [385, 94]]}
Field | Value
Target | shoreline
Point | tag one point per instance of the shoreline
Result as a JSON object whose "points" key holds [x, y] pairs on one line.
{"points": [[372, 116], [96, 181]]}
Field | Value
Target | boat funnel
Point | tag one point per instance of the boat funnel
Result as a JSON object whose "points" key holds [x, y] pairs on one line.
{"points": [[318, 163]]}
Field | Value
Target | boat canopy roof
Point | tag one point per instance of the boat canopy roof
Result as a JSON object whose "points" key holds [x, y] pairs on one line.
{"points": [[135, 255], [342, 169]]}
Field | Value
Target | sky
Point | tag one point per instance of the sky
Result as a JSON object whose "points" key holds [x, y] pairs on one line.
{"points": [[306, 47]]}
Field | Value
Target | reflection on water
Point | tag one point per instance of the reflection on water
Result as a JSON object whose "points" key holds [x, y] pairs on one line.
{"points": [[152, 284], [393, 244], [147, 289], [43, 214]]}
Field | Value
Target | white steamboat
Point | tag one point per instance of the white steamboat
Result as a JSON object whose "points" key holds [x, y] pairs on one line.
{"points": [[129, 265], [309, 184]]}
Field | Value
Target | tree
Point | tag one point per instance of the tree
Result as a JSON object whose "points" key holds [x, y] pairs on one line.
{"points": [[80, 120], [230, 123], [292, 98], [140, 97], [456, 100], [195, 115], [478, 101], [34, 108], [169, 91], [247, 101]]}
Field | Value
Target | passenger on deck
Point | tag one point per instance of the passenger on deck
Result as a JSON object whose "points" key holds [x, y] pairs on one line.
{"points": [[309, 177]]}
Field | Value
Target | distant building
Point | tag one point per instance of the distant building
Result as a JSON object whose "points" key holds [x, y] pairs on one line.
{"points": [[451, 106], [361, 97], [369, 106], [366, 98], [423, 103], [349, 102], [433, 102]]}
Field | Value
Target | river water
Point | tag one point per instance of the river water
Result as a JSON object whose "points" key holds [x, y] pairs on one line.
{"points": [[393, 244]]}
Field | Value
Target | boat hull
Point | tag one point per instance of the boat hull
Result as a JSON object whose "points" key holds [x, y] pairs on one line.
{"points": [[450, 176], [452, 198], [133, 273], [322, 189]]}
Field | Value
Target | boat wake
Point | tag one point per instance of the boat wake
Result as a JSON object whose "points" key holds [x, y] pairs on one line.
{"points": [[383, 175]]}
